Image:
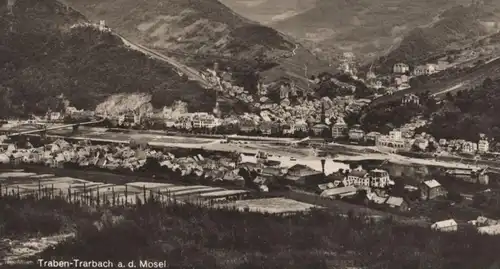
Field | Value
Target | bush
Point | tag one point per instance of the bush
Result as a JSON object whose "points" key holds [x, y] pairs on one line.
{"points": [[192, 237]]}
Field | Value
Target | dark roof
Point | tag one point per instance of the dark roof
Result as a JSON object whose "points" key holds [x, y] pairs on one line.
{"points": [[266, 124], [361, 173], [336, 176], [320, 125], [299, 167], [271, 171]]}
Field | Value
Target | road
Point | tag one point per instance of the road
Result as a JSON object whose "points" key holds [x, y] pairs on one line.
{"points": [[475, 76], [448, 90], [190, 72], [343, 207]]}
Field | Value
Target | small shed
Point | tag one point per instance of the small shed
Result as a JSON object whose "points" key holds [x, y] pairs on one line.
{"points": [[431, 189], [339, 192], [449, 225], [397, 202]]}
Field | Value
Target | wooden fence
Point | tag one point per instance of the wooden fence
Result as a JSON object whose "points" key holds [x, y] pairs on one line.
{"points": [[100, 197], [95, 197]]}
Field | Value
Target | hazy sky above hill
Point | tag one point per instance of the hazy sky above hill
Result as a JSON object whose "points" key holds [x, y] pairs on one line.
{"points": [[267, 11]]}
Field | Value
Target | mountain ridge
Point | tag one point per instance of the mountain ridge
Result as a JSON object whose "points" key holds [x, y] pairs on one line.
{"points": [[368, 28], [199, 33], [44, 57]]}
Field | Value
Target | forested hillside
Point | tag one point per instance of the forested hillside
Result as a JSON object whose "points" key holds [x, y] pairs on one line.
{"points": [[469, 113], [463, 115], [191, 237], [42, 57]]}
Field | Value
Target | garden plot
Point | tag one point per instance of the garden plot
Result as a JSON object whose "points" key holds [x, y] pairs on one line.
{"points": [[42, 176], [117, 189], [223, 193], [174, 189], [15, 174], [271, 205], [129, 198], [197, 191], [61, 183], [91, 186], [16, 190], [148, 185]]}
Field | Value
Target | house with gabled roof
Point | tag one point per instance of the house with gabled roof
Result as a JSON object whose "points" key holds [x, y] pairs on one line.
{"points": [[397, 202], [431, 189], [303, 175]]}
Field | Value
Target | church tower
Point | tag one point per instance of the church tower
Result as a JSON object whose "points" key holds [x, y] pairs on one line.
{"points": [[216, 110], [323, 116]]}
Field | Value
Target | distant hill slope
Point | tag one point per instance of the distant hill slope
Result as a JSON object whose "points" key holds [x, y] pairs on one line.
{"points": [[41, 57], [206, 27], [269, 11], [366, 27], [190, 30], [455, 28]]}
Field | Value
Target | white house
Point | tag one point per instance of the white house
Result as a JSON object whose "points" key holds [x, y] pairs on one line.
{"points": [[396, 134], [370, 75], [376, 178], [400, 68], [427, 69], [357, 178], [489, 230], [410, 98], [380, 178], [449, 225], [469, 147], [483, 146]]}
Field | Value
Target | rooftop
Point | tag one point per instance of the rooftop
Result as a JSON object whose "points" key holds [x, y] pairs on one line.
{"points": [[338, 191], [222, 193], [432, 183], [489, 230], [445, 223], [394, 201]]}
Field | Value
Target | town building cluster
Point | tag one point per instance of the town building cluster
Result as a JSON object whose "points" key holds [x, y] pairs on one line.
{"points": [[122, 157]]}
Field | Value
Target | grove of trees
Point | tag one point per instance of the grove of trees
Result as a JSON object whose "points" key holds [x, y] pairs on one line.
{"points": [[188, 236]]}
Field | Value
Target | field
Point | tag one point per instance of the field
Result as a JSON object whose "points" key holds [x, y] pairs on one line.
{"points": [[140, 137], [270, 205]]}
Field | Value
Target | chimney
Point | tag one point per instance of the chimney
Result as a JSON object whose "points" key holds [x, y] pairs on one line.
{"points": [[323, 161]]}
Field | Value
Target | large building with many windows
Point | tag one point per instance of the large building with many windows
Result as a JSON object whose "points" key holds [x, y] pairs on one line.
{"points": [[339, 129]]}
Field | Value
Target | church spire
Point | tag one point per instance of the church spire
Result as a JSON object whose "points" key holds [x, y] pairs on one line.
{"points": [[323, 116]]}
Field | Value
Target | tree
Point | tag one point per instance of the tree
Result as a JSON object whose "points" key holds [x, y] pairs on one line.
{"points": [[488, 83], [419, 81], [454, 196], [361, 196], [399, 188], [479, 199]]}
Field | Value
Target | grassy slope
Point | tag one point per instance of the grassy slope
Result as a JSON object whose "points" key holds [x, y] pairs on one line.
{"points": [[268, 10], [83, 64]]}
